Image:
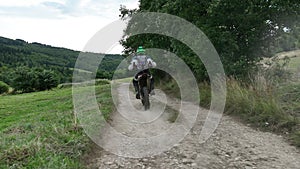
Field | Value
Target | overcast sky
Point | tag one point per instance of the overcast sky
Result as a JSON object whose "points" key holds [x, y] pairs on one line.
{"points": [[61, 23]]}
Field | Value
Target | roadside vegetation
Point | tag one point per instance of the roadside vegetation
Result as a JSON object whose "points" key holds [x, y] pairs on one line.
{"points": [[4, 88], [269, 101], [267, 108], [40, 130]]}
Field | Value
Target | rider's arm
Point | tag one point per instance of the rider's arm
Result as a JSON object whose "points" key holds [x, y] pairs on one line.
{"points": [[151, 63], [132, 65]]}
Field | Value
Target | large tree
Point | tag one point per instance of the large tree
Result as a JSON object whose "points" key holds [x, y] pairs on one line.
{"points": [[241, 31]]}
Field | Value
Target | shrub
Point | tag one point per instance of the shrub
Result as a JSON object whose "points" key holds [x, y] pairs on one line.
{"points": [[24, 80], [4, 88], [102, 82], [34, 79], [64, 85], [46, 79]]}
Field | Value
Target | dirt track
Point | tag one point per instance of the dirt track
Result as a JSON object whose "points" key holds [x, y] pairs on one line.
{"points": [[233, 145]]}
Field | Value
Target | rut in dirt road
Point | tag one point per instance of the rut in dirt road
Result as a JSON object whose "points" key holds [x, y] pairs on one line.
{"points": [[233, 145]]}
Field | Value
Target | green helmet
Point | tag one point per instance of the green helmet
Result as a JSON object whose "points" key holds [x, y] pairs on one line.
{"points": [[140, 50]]}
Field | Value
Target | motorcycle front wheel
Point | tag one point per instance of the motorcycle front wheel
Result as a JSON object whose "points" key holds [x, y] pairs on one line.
{"points": [[145, 99]]}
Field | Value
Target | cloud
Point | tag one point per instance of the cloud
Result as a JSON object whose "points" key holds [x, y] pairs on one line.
{"points": [[55, 5], [26, 2], [29, 9], [63, 23], [18, 3], [63, 8]]}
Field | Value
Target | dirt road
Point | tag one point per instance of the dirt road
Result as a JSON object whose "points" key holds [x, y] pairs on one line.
{"points": [[232, 145]]}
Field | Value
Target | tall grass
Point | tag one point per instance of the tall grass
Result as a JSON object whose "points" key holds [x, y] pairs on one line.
{"points": [[266, 107], [260, 107], [269, 100]]}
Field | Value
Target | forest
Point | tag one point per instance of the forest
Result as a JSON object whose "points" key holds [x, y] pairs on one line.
{"points": [[31, 67]]}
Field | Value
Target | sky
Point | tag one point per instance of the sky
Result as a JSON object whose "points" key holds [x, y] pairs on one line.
{"points": [[60, 23]]}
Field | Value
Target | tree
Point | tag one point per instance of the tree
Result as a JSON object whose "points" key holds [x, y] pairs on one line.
{"points": [[24, 80], [33, 79], [102, 74], [46, 79], [241, 31]]}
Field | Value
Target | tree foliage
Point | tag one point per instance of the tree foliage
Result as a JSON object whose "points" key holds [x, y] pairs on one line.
{"points": [[241, 31], [46, 79], [24, 80], [4, 88], [36, 79]]}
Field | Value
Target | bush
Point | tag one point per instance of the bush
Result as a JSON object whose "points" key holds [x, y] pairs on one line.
{"points": [[102, 82], [64, 85], [24, 80], [46, 79], [34, 79], [4, 88]]}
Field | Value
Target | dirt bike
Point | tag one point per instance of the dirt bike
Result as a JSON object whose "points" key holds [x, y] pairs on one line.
{"points": [[144, 90]]}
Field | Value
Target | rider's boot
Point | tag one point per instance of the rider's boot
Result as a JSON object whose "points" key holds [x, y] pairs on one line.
{"points": [[137, 95], [136, 88]]}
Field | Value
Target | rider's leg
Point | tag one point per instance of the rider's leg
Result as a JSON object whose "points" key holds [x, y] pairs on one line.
{"points": [[151, 81], [136, 87]]}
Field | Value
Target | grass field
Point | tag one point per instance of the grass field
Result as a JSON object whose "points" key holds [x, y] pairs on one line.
{"points": [[38, 130]]}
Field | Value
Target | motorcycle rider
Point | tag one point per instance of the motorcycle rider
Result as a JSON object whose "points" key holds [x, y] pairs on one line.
{"points": [[142, 63]]}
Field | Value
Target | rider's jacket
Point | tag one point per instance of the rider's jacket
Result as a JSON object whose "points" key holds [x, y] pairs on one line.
{"points": [[141, 62]]}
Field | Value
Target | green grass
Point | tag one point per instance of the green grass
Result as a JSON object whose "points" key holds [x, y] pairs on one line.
{"points": [[39, 130], [294, 64]]}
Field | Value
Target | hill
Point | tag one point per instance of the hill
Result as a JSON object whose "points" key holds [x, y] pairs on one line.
{"points": [[18, 53]]}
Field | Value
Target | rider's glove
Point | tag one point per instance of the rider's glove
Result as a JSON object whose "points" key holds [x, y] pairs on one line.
{"points": [[151, 63]]}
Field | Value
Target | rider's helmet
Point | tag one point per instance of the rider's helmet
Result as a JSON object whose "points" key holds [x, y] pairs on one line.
{"points": [[140, 50]]}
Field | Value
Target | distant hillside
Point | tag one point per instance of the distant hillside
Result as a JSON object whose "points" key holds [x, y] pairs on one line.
{"points": [[17, 53]]}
